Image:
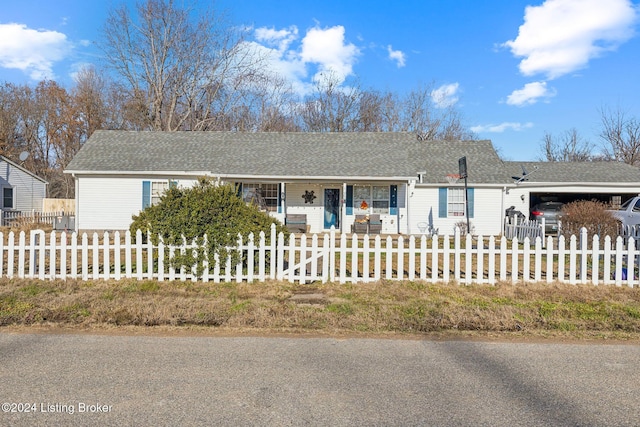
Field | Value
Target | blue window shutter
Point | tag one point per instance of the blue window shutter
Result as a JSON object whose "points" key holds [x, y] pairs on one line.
{"points": [[146, 194], [173, 183], [280, 198], [393, 200], [470, 201], [442, 202], [239, 189], [349, 199]]}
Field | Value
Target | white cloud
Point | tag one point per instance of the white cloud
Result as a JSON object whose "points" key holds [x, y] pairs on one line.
{"points": [[280, 38], [530, 94], [327, 49], [561, 36], [397, 55], [514, 126], [321, 50], [32, 51], [446, 95]]}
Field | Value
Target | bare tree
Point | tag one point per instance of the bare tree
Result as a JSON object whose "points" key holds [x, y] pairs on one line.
{"points": [[420, 114], [89, 99], [176, 66], [11, 141], [569, 147], [332, 107], [621, 136]]}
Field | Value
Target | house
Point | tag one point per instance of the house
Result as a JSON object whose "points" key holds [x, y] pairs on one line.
{"points": [[329, 179], [21, 190]]}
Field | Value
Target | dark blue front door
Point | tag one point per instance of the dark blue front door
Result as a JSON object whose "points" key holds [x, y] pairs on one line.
{"points": [[331, 208]]}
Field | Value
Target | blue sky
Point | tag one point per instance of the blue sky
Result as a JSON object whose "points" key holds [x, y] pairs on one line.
{"points": [[515, 69]]}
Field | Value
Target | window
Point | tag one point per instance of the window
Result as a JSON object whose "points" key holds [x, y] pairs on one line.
{"points": [[371, 199], [152, 191], [265, 196], [451, 202], [7, 198], [455, 202], [157, 190]]}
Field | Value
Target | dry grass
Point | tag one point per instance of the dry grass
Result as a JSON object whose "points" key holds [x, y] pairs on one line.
{"points": [[567, 311]]}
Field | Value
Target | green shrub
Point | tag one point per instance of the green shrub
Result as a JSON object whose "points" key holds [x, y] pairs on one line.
{"points": [[590, 214], [206, 209]]}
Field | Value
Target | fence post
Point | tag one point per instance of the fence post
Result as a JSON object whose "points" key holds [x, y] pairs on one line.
{"points": [[456, 255], [377, 257], [434, 259], [492, 260], [595, 259], [332, 254], [106, 249], [117, 262], [618, 263], [85, 256], [96, 256], [273, 258], [584, 247], [74, 255], [325, 260], [343, 258], [549, 249], [292, 257], [262, 258], [514, 260], [280, 257]]}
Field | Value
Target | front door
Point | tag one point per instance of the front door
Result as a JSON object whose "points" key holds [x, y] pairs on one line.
{"points": [[332, 208]]}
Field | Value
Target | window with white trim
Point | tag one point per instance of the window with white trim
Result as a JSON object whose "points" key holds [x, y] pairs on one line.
{"points": [[157, 190], [455, 201], [371, 199], [264, 195], [7, 198]]}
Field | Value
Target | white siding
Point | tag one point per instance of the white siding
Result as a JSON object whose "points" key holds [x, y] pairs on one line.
{"points": [[108, 203], [518, 198], [487, 218], [28, 192], [315, 211]]}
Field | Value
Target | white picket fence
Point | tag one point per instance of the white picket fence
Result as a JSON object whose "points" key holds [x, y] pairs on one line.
{"points": [[328, 257], [11, 218], [513, 227]]}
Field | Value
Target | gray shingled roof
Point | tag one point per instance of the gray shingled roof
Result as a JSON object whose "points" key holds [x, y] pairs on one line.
{"points": [[315, 155], [575, 172], [295, 154]]}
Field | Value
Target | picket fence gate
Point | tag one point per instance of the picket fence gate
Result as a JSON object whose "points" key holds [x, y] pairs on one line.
{"points": [[330, 257]]}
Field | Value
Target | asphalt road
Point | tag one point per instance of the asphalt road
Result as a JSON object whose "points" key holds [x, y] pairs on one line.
{"points": [[78, 380]]}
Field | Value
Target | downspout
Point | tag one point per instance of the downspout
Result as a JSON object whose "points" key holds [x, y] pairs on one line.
{"points": [[408, 193], [77, 186]]}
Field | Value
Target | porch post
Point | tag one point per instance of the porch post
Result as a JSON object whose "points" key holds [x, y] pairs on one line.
{"points": [[283, 198], [343, 208]]}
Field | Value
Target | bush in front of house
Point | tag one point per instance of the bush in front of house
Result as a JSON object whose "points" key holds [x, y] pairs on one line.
{"points": [[206, 209], [590, 214]]}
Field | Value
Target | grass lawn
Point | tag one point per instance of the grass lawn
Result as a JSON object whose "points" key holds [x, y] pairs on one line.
{"points": [[385, 308]]}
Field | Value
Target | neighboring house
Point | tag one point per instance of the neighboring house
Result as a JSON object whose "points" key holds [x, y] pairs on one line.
{"points": [[20, 189], [328, 177]]}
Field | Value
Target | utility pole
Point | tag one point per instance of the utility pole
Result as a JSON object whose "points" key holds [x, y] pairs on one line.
{"points": [[462, 171]]}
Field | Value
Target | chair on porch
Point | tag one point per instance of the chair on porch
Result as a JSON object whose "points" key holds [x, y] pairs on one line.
{"points": [[360, 225], [296, 223], [375, 224]]}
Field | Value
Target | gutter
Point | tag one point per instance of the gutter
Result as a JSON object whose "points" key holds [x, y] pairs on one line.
{"points": [[323, 178]]}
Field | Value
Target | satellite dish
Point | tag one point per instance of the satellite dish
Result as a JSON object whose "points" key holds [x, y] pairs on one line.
{"points": [[23, 156]]}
